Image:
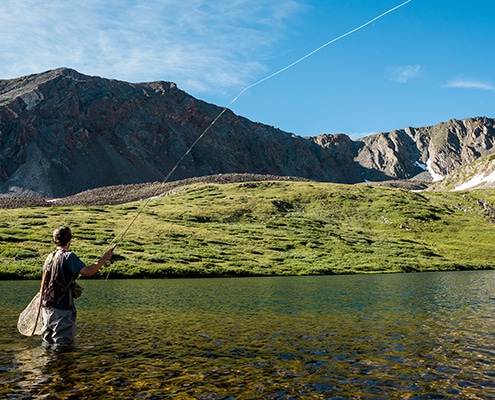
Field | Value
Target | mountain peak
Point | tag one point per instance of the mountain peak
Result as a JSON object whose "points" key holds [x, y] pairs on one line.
{"points": [[11, 89], [62, 132]]}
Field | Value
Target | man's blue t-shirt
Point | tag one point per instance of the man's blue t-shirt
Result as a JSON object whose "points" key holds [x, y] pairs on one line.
{"points": [[74, 262]]}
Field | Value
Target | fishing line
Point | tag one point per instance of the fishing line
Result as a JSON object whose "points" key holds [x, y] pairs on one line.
{"points": [[120, 237], [318, 49]]}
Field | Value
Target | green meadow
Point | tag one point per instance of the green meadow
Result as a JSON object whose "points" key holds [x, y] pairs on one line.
{"points": [[263, 228]]}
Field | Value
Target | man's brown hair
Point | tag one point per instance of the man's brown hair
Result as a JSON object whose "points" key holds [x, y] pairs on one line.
{"points": [[62, 235]]}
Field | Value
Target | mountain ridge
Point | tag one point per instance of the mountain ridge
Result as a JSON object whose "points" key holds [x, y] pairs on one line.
{"points": [[62, 132]]}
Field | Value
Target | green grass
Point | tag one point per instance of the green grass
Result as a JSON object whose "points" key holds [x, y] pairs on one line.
{"points": [[264, 228]]}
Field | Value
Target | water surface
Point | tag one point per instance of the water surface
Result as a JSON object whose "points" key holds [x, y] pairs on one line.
{"points": [[386, 336]]}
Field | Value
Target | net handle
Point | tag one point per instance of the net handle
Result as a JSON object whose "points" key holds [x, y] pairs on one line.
{"points": [[43, 279]]}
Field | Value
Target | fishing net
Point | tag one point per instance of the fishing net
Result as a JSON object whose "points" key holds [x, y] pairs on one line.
{"points": [[29, 322]]}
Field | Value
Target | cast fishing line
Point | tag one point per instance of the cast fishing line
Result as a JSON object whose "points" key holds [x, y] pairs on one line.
{"points": [[30, 316], [124, 232]]}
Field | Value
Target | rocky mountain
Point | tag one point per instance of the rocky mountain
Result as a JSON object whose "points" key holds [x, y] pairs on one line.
{"points": [[62, 132], [439, 150]]}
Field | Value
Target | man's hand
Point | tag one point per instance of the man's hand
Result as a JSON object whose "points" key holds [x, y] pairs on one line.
{"points": [[92, 269], [108, 255]]}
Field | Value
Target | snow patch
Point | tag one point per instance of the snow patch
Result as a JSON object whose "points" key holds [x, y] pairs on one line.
{"points": [[421, 165], [436, 177], [477, 180]]}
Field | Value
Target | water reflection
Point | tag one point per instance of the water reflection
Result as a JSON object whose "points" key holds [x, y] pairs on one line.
{"points": [[33, 366], [395, 336], [40, 371]]}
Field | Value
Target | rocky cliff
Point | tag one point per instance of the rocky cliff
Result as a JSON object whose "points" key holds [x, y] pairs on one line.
{"points": [[62, 132], [427, 153]]}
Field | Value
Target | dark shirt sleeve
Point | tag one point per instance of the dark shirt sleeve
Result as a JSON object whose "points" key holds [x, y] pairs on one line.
{"points": [[75, 263]]}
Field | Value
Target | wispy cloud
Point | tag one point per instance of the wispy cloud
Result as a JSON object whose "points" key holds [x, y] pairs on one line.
{"points": [[469, 84], [197, 44], [404, 74]]}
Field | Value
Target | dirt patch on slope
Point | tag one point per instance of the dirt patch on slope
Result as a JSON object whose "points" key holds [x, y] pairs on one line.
{"points": [[120, 194]]}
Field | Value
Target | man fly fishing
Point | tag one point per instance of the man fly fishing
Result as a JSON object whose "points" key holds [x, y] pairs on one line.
{"points": [[59, 288]]}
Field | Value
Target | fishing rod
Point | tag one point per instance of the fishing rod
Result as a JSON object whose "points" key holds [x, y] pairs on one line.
{"points": [[121, 236]]}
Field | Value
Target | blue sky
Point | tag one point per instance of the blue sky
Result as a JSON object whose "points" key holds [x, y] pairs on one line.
{"points": [[424, 63]]}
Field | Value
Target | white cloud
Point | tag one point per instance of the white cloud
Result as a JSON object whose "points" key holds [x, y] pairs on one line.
{"points": [[404, 74], [195, 43], [360, 135], [469, 84]]}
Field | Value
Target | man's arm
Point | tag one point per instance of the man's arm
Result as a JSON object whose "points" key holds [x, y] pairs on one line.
{"points": [[92, 269]]}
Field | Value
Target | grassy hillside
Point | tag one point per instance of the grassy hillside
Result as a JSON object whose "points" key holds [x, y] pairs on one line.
{"points": [[478, 174], [264, 228]]}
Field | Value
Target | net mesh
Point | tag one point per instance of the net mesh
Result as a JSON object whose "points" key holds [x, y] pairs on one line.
{"points": [[29, 322]]}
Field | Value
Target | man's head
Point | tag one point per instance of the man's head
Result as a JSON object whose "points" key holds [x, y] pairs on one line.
{"points": [[62, 235]]}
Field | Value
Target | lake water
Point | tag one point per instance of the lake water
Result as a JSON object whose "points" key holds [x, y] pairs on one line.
{"points": [[410, 336]]}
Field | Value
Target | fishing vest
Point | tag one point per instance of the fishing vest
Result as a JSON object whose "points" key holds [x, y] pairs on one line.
{"points": [[58, 281]]}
